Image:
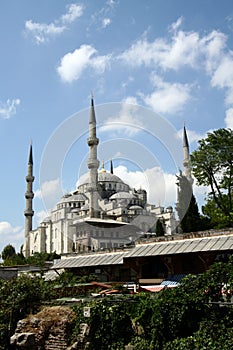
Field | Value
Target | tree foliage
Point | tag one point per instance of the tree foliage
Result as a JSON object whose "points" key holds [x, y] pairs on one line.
{"points": [[159, 229], [19, 297], [8, 252], [212, 165], [195, 315], [10, 257], [187, 209]]}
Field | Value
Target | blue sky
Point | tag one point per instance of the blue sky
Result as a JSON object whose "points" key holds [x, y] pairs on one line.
{"points": [[152, 65]]}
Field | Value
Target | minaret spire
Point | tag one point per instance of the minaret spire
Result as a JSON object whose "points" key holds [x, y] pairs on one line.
{"points": [[93, 163], [186, 161], [28, 213], [111, 167]]}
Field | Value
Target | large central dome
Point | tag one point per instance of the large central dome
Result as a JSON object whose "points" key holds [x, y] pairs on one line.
{"points": [[104, 176], [107, 181]]}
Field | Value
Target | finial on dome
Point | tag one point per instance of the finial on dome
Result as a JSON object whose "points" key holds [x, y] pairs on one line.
{"points": [[102, 169]]}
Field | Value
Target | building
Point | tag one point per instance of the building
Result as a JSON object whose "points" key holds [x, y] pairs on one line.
{"points": [[102, 213]]}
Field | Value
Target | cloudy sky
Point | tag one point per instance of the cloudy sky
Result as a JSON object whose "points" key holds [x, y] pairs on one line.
{"points": [[152, 66]]}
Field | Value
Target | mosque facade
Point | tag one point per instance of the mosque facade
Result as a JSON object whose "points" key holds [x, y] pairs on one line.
{"points": [[103, 212]]}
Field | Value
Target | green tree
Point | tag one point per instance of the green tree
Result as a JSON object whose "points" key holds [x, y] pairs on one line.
{"points": [[212, 165], [39, 259], [187, 209], [10, 257], [215, 216], [19, 297], [8, 252], [159, 229]]}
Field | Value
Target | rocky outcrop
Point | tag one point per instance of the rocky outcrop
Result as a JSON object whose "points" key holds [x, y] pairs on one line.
{"points": [[47, 330], [24, 341]]}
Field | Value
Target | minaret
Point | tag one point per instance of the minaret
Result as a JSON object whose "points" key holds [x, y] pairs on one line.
{"points": [[28, 213], [93, 164], [186, 161]]}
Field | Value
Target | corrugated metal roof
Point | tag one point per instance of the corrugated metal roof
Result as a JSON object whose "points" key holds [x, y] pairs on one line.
{"points": [[90, 260], [194, 245]]}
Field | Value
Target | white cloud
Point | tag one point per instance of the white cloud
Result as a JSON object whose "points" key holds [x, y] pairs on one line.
{"points": [[40, 216], [128, 121], [42, 32], [174, 26], [223, 77], [229, 118], [11, 235], [167, 97], [160, 186], [213, 47], [180, 50], [7, 229], [8, 109], [74, 63], [106, 22], [49, 192], [74, 11]]}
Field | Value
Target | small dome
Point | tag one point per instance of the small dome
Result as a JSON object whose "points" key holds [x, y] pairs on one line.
{"points": [[46, 219], [122, 195], [74, 198], [135, 207]]}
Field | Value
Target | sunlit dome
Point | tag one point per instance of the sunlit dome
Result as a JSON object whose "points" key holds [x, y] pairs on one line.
{"points": [[103, 176], [122, 195]]}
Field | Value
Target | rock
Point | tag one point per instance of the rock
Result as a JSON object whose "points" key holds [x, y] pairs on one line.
{"points": [[24, 341], [48, 330]]}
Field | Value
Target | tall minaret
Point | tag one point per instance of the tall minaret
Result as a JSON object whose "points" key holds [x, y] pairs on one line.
{"points": [[93, 164], [29, 199], [186, 161]]}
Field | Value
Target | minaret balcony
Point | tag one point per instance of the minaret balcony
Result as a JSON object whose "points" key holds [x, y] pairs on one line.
{"points": [[92, 141], [30, 178], [29, 195], [28, 212]]}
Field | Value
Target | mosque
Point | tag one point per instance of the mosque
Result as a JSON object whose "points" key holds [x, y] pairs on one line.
{"points": [[103, 212]]}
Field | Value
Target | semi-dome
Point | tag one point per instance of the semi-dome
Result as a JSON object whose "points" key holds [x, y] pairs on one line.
{"points": [[80, 197], [122, 195]]}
